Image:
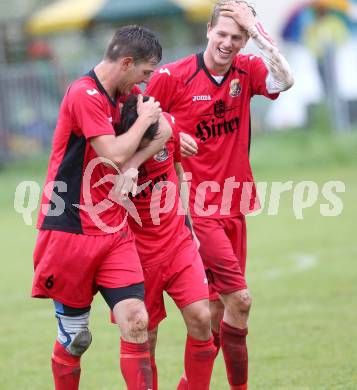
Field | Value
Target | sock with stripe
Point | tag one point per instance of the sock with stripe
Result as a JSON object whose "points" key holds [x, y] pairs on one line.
{"points": [[66, 368], [183, 384], [135, 365]]}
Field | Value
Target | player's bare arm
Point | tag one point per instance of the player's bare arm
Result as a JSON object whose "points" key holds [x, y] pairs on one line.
{"points": [[129, 176], [120, 149], [154, 146], [280, 77]]}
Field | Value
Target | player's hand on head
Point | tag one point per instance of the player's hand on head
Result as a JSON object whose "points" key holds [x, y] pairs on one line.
{"points": [[241, 12], [149, 110], [188, 145]]}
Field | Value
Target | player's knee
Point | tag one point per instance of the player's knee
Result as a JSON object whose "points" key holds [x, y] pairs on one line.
{"points": [[240, 301], [137, 320], [199, 324], [203, 318], [132, 318], [245, 301], [73, 333]]}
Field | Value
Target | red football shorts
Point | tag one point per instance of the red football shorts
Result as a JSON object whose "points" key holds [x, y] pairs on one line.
{"points": [[69, 267], [182, 276], [223, 248]]}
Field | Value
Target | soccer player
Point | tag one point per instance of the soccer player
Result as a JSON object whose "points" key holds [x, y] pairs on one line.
{"points": [[169, 256], [209, 95], [84, 244]]}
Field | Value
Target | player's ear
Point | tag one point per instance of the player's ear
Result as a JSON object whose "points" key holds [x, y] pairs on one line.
{"points": [[209, 28], [127, 62]]}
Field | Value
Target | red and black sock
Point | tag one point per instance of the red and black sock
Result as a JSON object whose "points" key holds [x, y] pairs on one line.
{"points": [[234, 348], [135, 365], [66, 368], [199, 359]]}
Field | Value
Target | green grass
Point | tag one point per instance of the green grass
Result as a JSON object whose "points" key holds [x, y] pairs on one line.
{"points": [[302, 274]]}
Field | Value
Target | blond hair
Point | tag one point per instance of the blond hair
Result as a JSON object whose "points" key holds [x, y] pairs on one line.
{"points": [[217, 9]]}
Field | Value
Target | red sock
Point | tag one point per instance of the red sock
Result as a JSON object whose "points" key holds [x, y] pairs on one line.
{"points": [[183, 384], [66, 368], [199, 358], [234, 348], [154, 373], [135, 365], [216, 340]]}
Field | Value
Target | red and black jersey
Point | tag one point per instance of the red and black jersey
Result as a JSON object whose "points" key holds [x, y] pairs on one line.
{"points": [[86, 111], [217, 116], [159, 229]]}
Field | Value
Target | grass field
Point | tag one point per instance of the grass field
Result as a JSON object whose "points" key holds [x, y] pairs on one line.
{"points": [[302, 274]]}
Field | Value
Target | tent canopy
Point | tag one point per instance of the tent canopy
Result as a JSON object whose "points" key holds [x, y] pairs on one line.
{"points": [[78, 14]]}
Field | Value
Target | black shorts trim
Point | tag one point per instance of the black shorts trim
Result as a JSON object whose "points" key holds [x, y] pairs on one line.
{"points": [[70, 311], [114, 295]]}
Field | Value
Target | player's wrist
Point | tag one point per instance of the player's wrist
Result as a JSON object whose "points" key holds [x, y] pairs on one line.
{"points": [[144, 121], [252, 30]]}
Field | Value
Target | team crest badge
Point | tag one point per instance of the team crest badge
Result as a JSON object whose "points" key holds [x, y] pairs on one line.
{"points": [[162, 155], [235, 88]]}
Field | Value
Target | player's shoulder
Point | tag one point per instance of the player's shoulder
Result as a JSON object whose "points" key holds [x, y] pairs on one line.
{"points": [[82, 87], [180, 68], [245, 61]]}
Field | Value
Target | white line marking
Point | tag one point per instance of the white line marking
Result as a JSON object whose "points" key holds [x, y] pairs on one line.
{"points": [[301, 262]]}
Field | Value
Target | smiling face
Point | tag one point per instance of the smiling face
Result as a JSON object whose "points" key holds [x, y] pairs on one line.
{"points": [[225, 40]]}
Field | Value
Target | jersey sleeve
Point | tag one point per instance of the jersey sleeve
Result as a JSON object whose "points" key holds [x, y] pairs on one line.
{"points": [[162, 86], [258, 75], [177, 153], [89, 113], [175, 136]]}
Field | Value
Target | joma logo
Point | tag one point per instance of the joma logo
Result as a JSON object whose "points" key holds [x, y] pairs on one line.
{"points": [[201, 98]]}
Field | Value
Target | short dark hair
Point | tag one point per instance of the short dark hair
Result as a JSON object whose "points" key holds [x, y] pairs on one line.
{"points": [[134, 41], [217, 10], [129, 115]]}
